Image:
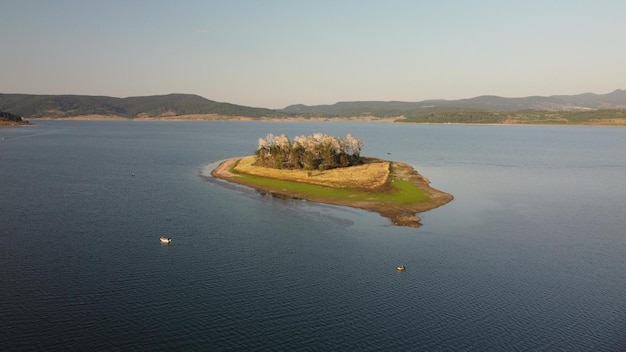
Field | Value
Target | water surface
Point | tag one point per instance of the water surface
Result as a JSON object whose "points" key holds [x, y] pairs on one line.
{"points": [[528, 256]]}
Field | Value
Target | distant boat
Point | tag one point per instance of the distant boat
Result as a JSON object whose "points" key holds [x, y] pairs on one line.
{"points": [[165, 239], [401, 268]]}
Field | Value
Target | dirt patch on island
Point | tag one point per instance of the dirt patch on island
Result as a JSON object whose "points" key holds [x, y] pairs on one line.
{"points": [[372, 175], [368, 176]]}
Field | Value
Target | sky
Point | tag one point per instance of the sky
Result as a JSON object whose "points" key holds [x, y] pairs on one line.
{"points": [[274, 53]]}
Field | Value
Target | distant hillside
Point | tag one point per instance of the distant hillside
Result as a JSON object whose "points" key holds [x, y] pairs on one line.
{"points": [[588, 108], [34, 106], [580, 102]]}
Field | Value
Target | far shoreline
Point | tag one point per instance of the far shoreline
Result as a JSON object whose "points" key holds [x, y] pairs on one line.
{"points": [[296, 119]]}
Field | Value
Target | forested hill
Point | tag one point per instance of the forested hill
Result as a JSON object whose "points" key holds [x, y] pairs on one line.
{"points": [[486, 103], [34, 106], [585, 108]]}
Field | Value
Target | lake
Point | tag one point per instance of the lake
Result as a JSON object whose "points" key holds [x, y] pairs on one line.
{"points": [[529, 256]]}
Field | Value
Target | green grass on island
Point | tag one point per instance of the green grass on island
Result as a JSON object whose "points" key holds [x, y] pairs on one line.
{"points": [[401, 191], [398, 194]]}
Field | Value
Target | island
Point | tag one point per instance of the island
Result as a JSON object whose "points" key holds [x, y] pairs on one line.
{"points": [[323, 169]]}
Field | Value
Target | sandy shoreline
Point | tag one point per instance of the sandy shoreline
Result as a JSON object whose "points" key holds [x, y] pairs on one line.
{"points": [[215, 117], [616, 122], [8, 124], [399, 214]]}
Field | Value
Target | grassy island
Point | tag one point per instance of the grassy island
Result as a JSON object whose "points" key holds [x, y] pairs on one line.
{"points": [[392, 189], [325, 169]]}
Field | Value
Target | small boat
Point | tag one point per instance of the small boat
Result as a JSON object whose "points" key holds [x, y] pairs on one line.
{"points": [[401, 268], [165, 239]]}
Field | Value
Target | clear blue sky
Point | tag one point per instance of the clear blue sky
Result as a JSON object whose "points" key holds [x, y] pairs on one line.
{"points": [[278, 52]]}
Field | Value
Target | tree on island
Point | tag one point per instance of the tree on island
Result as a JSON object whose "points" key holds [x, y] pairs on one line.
{"points": [[313, 152], [10, 117]]}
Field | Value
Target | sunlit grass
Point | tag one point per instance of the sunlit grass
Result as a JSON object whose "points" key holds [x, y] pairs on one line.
{"points": [[369, 176], [401, 191]]}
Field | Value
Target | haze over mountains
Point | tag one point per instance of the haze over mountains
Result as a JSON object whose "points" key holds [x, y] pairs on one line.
{"points": [[36, 106]]}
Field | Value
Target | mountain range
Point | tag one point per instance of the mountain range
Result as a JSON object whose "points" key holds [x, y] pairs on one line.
{"points": [[580, 102], [59, 106]]}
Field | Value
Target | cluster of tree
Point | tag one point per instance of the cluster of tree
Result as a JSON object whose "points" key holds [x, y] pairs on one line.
{"points": [[440, 113], [313, 152], [586, 116], [535, 117], [451, 115], [7, 116]]}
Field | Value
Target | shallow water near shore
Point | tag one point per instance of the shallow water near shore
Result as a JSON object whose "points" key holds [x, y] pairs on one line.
{"points": [[530, 255]]}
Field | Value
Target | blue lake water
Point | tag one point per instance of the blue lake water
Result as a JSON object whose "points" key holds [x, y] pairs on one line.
{"points": [[529, 256]]}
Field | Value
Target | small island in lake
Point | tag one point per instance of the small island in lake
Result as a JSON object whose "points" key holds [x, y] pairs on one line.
{"points": [[324, 169]]}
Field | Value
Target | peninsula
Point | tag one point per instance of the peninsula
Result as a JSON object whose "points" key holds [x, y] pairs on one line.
{"points": [[9, 120], [325, 169]]}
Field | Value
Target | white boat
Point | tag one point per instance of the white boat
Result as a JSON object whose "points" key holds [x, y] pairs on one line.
{"points": [[165, 239]]}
